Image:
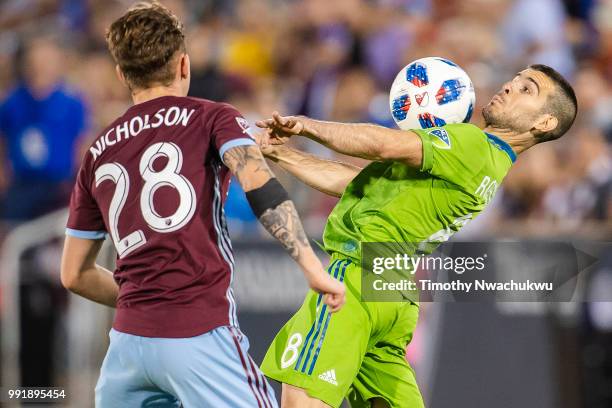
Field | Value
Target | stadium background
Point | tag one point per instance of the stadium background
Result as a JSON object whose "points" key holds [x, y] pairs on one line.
{"points": [[332, 60]]}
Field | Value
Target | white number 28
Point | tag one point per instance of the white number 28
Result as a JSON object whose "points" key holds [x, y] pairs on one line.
{"points": [[168, 176]]}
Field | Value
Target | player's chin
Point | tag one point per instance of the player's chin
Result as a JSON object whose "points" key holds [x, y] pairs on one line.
{"points": [[488, 113]]}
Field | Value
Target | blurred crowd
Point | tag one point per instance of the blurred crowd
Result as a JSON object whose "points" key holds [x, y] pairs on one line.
{"points": [[331, 60]]}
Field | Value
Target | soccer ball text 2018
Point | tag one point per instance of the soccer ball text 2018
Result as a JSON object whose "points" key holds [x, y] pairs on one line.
{"points": [[431, 92]]}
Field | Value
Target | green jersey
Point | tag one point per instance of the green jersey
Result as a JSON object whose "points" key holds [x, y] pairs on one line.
{"points": [[392, 202]]}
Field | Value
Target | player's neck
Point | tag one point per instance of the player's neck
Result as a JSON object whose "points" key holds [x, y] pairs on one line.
{"points": [[144, 95], [519, 142]]}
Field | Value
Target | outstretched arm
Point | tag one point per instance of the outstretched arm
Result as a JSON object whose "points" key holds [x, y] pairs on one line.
{"points": [[367, 141], [328, 176], [279, 217]]}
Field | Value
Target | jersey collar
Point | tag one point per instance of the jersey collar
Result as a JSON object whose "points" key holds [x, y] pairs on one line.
{"points": [[500, 144]]}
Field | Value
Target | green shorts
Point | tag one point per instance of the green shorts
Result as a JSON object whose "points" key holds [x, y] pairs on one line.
{"points": [[358, 353]]}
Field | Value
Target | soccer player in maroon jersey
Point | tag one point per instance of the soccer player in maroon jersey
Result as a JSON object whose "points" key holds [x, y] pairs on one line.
{"points": [[155, 180]]}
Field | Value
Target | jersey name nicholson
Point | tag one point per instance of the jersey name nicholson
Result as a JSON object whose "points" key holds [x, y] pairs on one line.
{"points": [[172, 116]]}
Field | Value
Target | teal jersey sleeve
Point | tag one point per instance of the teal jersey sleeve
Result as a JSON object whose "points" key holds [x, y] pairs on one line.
{"points": [[455, 153]]}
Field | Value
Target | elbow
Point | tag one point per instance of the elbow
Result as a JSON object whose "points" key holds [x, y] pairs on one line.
{"points": [[337, 189], [69, 279], [399, 150]]}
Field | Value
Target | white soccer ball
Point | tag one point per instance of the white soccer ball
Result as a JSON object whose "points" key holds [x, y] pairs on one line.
{"points": [[431, 92]]}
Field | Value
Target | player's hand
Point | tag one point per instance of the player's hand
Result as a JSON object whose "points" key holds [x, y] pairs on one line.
{"points": [[263, 140], [332, 290], [280, 128], [270, 151]]}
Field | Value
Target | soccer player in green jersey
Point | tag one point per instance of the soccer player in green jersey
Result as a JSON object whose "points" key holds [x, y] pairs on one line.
{"points": [[421, 187]]}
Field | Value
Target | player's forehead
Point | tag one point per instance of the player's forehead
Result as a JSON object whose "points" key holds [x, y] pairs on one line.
{"points": [[540, 79]]}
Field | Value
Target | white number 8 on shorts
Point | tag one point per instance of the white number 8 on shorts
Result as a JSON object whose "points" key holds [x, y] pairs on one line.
{"points": [[291, 351]]}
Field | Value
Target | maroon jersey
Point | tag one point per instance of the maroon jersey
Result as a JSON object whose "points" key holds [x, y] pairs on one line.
{"points": [[155, 183]]}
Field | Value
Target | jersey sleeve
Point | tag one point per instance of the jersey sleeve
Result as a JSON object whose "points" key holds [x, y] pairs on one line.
{"points": [[84, 219], [230, 129], [453, 153]]}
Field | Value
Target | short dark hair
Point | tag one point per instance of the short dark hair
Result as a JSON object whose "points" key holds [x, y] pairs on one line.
{"points": [[144, 42], [562, 104]]}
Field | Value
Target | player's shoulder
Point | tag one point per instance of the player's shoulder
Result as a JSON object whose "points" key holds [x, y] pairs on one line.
{"points": [[454, 129], [474, 138], [453, 136], [460, 129], [164, 110], [167, 102], [462, 134], [222, 113], [212, 107]]}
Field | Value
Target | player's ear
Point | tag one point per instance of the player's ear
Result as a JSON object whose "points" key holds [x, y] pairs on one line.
{"points": [[185, 66], [120, 76], [545, 123]]}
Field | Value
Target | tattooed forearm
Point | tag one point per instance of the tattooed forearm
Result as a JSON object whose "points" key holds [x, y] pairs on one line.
{"points": [[248, 165], [250, 168], [284, 224]]}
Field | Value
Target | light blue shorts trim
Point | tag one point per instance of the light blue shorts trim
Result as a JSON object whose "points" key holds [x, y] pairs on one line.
{"points": [[210, 370]]}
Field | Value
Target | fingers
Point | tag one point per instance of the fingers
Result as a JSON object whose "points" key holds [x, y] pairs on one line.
{"points": [[281, 126], [283, 122], [268, 138], [276, 121], [276, 141], [334, 301], [335, 296], [259, 138], [333, 291], [262, 139], [288, 123], [265, 123]]}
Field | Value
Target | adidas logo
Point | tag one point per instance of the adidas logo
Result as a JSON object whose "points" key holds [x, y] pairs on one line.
{"points": [[329, 376]]}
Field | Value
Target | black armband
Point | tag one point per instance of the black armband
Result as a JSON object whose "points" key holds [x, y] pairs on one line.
{"points": [[266, 197]]}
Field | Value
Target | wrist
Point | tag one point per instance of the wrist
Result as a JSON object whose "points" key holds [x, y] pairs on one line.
{"points": [[309, 128], [310, 264], [274, 152]]}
